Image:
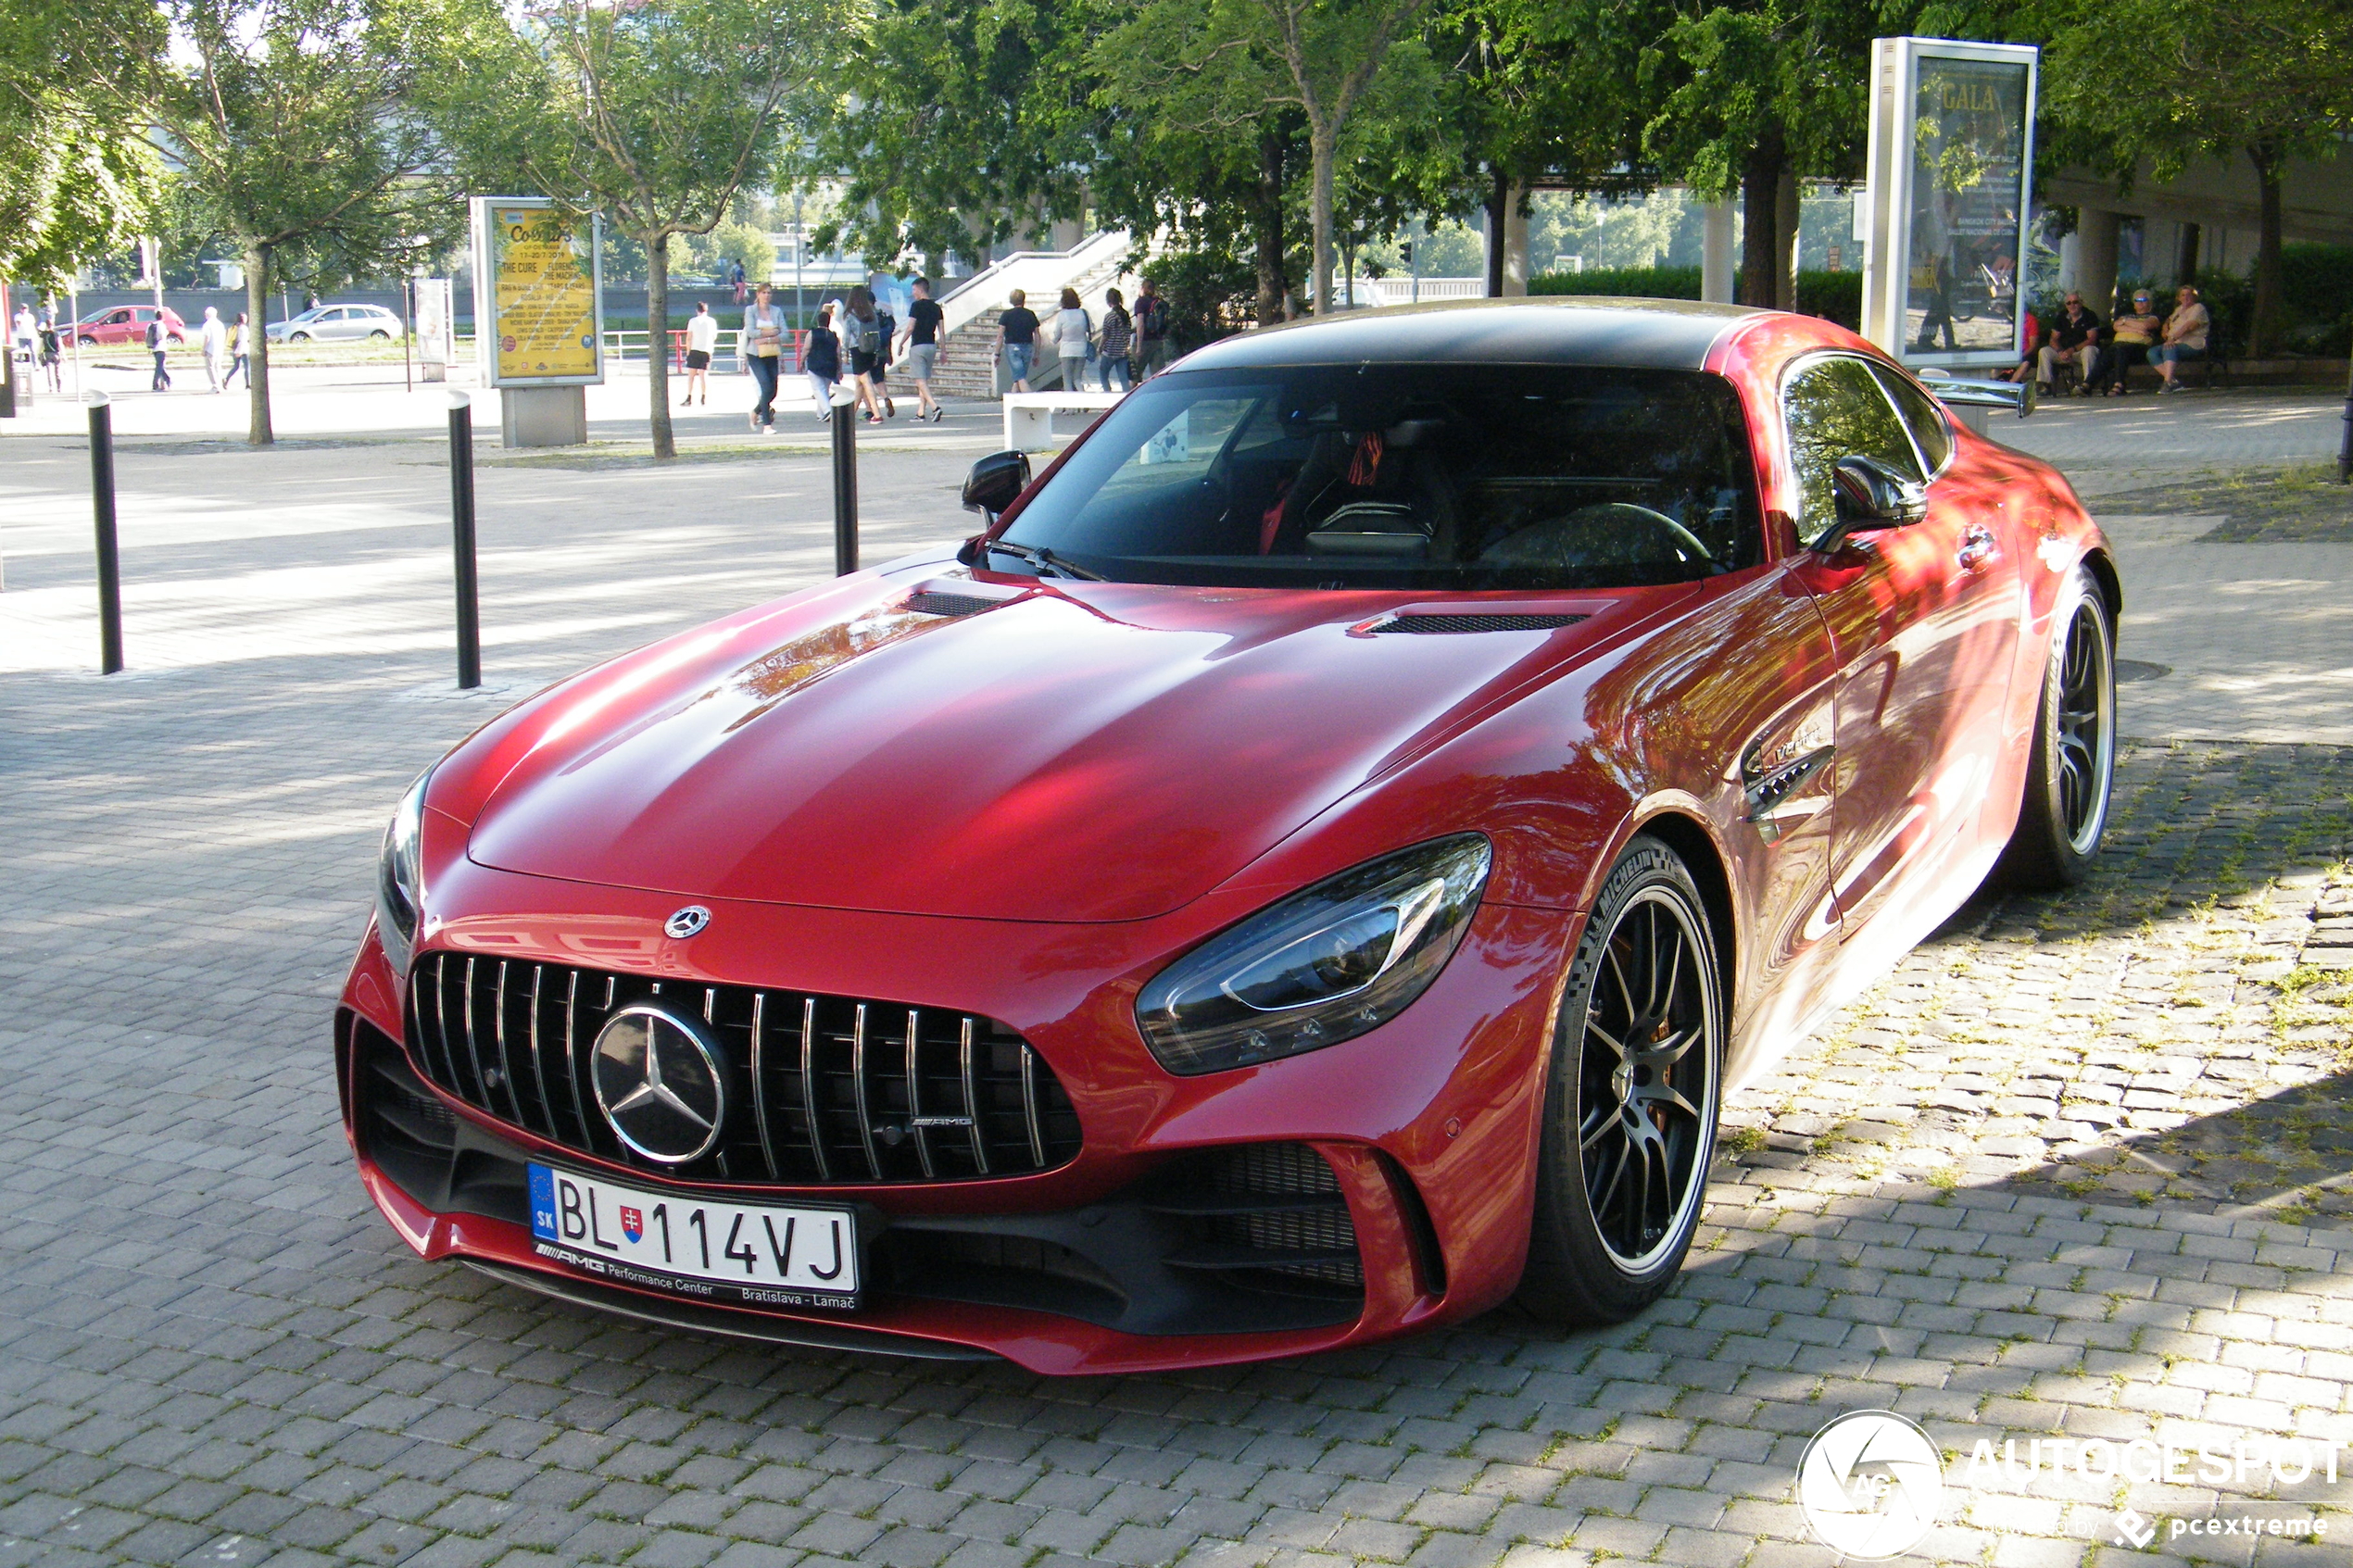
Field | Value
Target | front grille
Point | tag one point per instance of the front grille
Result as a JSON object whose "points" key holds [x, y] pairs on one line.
{"points": [[820, 1089], [1457, 625]]}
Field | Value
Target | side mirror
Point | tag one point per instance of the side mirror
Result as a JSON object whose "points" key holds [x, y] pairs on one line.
{"points": [[994, 482], [1869, 495]]}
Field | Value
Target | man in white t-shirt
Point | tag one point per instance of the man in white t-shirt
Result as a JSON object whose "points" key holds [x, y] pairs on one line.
{"points": [[703, 336]]}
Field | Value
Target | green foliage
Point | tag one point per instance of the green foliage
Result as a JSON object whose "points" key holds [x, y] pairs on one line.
{"points": [[78, 175], [2316, 288]]}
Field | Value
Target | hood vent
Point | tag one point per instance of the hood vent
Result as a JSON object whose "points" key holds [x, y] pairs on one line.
{"points": [[930, 601], [1458, 625]]}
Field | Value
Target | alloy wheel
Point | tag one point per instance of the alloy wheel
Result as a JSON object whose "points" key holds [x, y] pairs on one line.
{"points": [[2086, 729], [1646, 1101]]}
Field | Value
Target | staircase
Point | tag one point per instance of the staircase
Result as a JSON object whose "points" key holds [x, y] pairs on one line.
{"points": [[1090, 267]]}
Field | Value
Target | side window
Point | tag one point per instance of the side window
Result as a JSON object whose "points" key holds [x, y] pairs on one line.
{"points": [[1921, 414], [1836, 409]]}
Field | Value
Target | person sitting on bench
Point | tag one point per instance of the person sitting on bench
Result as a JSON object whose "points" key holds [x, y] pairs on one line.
{"points": [[2185, 332], [2130, 340]]}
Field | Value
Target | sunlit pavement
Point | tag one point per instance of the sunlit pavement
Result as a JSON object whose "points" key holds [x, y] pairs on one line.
{"points": [[2081, 1168]]}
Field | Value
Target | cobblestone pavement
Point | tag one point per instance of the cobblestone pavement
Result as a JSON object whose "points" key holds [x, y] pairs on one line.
{"points": [[2080, 1168]]}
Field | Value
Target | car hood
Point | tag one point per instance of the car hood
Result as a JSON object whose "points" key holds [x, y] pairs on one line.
{"points": [[1075, 752]]}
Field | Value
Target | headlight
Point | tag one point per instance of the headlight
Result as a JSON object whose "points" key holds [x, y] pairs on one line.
{"points": [[400, 876], [1323, 966]]}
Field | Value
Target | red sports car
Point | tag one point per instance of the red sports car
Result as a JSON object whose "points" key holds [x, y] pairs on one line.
{"points": [[1309, 872]]}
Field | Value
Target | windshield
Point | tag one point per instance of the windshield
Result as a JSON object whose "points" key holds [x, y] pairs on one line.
{"points": [[1414, 476]]}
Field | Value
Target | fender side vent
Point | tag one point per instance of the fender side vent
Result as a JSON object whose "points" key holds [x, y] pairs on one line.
{"points": [[929, 603], [1458, 625]]}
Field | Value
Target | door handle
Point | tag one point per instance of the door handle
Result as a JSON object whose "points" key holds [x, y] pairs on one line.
{"points": [[1977, 549]]}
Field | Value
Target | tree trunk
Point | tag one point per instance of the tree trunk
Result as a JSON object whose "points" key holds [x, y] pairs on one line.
{"points": [[258, 430], [1785, 217], [658, 343], [2267, 159], [1760, 217], [1323, 150], [2185, 257], [1499, 206], [1266, 217]]}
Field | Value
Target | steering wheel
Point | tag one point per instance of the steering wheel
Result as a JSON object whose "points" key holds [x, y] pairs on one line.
{"points": [[1529, 542]]}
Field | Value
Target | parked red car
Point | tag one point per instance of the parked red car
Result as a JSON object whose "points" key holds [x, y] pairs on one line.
{"points": [[1308, 872], [128, 323]]}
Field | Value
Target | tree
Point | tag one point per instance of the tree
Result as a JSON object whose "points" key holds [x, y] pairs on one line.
{"points": [[291, 121], [1757, 95], [654, 113], [2264, 79], [78, 175], [968, 123]]}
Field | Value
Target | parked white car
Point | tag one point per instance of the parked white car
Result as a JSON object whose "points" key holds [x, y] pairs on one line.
{"points": [[338, 324]]}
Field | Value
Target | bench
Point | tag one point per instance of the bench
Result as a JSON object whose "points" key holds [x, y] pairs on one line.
{"points": [[1029, 416]]}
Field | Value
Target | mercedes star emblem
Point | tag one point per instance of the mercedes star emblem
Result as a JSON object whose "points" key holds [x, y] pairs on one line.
{"points": [[686, 921], [659, 1082]]}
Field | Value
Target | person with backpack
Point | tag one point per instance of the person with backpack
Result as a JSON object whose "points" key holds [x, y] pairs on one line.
{"points": [[863, 335], [1151, 332], [1119, 332], [1074, 340], [885, 332], [157, 340], [240, 352], [822, 362], [51, 357]]}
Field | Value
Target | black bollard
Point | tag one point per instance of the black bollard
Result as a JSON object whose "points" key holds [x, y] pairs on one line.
{"points": [[845, 487], [2345, 451], [462, 523], [109, 558]]}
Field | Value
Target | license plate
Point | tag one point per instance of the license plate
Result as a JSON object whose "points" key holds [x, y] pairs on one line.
{"points": [[758, 1255]]}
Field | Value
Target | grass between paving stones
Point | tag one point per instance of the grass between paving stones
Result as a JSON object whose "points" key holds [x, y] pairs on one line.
{"points": [[2290, 505], [2177, 1029]]}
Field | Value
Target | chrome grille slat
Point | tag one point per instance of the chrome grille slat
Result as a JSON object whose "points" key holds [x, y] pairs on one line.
{"points": [[481, 1095], [858, 1090], [996, 1109], [759, 1081], [499, 1034], [972, 1100], [808, 1088], [1029, 1105]]}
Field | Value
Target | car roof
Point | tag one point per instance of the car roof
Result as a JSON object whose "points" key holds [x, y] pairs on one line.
{"points": [[1555, 330]]}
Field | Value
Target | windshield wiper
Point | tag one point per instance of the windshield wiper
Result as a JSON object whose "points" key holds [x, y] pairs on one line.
{"points": [[1045, 560]]}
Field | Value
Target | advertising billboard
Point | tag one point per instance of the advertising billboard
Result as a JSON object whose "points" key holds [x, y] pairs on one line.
{"points": [[1951, 186], [540, 313]]}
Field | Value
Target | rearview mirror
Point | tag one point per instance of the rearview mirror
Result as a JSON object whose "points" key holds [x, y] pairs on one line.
{"points": [[995, 481], [1869, 495]]}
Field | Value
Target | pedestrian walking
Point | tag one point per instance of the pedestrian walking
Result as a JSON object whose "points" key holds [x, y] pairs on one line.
{"points": [[823, 363], [51, 357], [864, 334], [214, 337], [923, 320], [1073, 340], [885, 333], [240, 346], [1150, 352], [1016, 338], [1119, 333], [703, 336], [155, 341], [763, 340], [23, 332], [735, 278]]}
